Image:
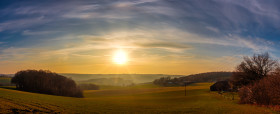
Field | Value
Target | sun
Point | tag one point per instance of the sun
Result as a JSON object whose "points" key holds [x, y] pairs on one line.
{"points": [[120, 57]]}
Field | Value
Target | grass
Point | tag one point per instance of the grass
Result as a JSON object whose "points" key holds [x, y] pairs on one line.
{"points": [[4, 80], [144, 98], [138, 86]]}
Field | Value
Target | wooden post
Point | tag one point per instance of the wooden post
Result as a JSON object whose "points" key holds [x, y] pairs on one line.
{"points": [[185, 89]]}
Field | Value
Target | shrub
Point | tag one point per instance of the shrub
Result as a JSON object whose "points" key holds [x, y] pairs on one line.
{"points": [[220, 86], [263, 92], [46, 82], [245, 95]]}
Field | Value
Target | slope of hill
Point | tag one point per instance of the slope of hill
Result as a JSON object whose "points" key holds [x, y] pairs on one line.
{"points": [[7, 75], [195, 78], [135, 78], [207, 77], [108, 81], [5, 81], [127, 100]]}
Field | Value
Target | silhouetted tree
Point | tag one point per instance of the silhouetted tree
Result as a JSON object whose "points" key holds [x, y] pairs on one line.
{"points": [[46, 82], [253, 68]]}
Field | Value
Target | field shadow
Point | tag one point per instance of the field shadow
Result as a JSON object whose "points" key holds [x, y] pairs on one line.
{"points": [[8, 87]]}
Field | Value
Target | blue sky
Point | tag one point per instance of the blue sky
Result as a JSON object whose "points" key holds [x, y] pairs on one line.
{"points": [[159, 36]]}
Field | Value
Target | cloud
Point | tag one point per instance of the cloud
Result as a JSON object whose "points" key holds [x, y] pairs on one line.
{"points": [[16, 53], [163, 45], [173, 41], [256, 44], [119, 10], [176, 38], [22, 23], [213, 29], [29, 32], [159, 29], [135, 39]]}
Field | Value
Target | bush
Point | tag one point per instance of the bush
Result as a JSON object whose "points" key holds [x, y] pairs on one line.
{"points": [[220, 86], [46, 82], [245, 95], [263, 92]]}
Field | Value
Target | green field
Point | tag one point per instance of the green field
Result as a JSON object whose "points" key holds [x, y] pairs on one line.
{"points": [[139, 99], [5, 80]]}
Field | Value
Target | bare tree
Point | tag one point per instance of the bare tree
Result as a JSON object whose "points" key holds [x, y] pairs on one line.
{"points": [[253, 68]]}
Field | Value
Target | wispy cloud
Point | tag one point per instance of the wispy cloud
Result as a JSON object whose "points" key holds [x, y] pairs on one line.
{"points": [[22, 23], [150, 30], [163, 45], [29, 32]]}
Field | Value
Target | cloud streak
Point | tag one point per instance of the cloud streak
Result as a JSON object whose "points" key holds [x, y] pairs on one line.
{"points": [[178, 32], [163, 45]]}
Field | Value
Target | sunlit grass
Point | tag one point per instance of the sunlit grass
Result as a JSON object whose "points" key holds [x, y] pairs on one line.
{"points": [[106, 87], [139, 99]]}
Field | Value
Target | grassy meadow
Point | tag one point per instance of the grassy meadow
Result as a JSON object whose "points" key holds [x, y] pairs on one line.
{"points": [[145, 98], [5, 80]]}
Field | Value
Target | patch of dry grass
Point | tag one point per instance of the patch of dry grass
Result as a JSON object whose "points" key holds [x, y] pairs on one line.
{"points": [[145, 99]]}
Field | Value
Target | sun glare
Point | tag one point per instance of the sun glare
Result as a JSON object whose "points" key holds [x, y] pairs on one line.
{"points": [[120, 57]]}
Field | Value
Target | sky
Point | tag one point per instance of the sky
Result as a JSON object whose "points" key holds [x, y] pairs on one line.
{"points": [[157, 36]]}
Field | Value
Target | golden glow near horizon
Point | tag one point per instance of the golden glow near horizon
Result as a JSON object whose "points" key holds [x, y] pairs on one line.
{"points": [[120, 57], [115, 39]]}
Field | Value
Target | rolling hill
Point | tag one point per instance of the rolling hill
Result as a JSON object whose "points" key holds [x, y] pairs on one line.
{"points": [[136, 99], [195, 78]]}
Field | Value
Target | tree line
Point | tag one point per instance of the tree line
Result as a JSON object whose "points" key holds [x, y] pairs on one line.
{"points": [[195, 78], [46, 82]]}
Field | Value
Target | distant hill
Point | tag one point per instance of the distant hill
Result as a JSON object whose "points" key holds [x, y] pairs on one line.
{"points": [[5, 81], [7, 75], [207, 77], [108, 81], [128, 79], [135, 78], [194, 78]]}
